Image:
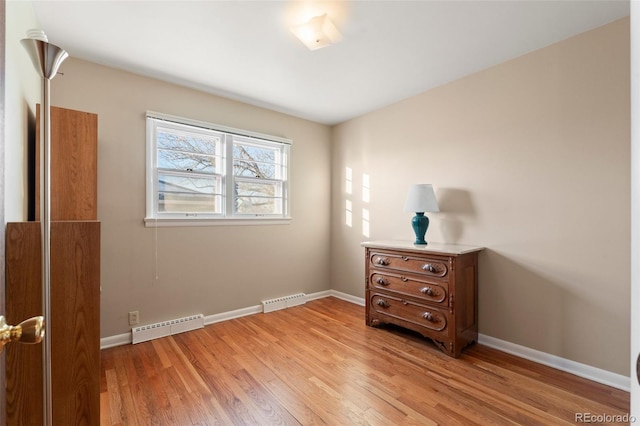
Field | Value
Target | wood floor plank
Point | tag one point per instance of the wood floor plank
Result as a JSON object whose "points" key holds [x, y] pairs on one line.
{"points": [[319, 363]]}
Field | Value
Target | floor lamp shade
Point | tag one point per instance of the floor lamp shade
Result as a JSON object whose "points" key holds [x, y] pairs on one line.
{"points": [[420, 199], [46, 57]]}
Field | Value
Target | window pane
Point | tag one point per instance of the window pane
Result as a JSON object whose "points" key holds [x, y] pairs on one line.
{"points": [[258, 205], [253, 161], [253, 169], [258, 198], [187, 151], [258, 189], [187, 142], [188, 184], [188, 203], [188, 194], [180, 160]]}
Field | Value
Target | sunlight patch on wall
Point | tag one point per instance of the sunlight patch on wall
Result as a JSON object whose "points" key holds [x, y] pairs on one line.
{"points": [[365, 187], [366, 196], [365, 222], [348, 188]]}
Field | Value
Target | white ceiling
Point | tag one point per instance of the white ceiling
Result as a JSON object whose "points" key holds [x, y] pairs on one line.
{"points": [[244, 50]]}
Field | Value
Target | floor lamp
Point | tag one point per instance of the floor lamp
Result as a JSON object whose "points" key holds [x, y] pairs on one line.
{"points": [[47, 58]]}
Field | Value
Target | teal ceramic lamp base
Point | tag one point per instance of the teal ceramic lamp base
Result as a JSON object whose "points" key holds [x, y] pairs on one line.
{"points": [[420, 225]]}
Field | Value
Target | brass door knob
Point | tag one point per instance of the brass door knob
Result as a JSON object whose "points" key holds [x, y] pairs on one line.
{"points": [[28, 331]]}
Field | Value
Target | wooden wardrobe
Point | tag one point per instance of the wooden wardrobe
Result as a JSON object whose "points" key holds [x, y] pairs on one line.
{"points": [[75, 283]]}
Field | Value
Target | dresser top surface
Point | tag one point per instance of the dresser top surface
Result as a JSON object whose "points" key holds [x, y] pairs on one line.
{"points": [[428, 248]]}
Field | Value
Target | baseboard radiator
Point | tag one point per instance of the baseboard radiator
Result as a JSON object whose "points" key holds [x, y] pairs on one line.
{"points": [[166, 328], [284, 302]]}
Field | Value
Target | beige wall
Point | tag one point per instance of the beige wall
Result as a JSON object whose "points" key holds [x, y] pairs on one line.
{"points": [[21, 85], [529, 159], [23, 89], [168, 273]]}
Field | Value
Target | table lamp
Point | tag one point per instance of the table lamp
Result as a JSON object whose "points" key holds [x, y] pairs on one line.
{"points": [[421, 199]]}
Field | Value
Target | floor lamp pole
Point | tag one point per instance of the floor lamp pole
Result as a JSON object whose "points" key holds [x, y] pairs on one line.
{"points": [[47, 58]]}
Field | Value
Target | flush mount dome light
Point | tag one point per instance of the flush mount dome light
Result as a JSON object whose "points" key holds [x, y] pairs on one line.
{"points": [[318, 32]]}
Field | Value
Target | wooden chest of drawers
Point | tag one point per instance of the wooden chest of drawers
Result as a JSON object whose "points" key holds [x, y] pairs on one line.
{"points": [[430, 289]]}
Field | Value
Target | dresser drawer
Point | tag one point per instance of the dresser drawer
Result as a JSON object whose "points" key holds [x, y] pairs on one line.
{"points": [[431, 292], [407, 311], [432, 267]]}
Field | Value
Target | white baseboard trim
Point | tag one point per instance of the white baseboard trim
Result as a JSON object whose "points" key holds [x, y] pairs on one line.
{"points": [[347, 297], [225, 316], [582, 370], [125, 339], [113, 341], [257, 309], [319, 295]]}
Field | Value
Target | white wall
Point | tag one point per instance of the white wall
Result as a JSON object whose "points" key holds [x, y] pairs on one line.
{"points": [[21, 92]]}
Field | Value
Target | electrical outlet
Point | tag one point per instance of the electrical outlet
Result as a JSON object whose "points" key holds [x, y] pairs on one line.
{"points": [[134, 317]]}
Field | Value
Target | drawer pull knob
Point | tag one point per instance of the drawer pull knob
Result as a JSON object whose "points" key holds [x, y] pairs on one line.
{"points": [[405, 258], [382, 281], [382, 261], [405, 279], [428, 316], [427, 290], [382, 303], [429, 267]]}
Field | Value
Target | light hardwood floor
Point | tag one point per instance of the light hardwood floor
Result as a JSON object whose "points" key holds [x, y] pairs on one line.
{"points": [[320, 364]]}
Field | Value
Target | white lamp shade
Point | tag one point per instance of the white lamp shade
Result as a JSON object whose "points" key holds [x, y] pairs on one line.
{"points": [[421, 198]]}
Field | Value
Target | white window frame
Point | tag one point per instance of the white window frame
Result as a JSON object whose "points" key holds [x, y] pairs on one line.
{"points": [[154, 218]]}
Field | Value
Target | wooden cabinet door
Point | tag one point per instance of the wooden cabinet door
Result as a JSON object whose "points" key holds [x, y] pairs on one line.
{"points": [[74, 165], [74, 320]]}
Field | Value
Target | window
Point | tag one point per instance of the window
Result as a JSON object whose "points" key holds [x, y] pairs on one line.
{"points": [[200, 173]]}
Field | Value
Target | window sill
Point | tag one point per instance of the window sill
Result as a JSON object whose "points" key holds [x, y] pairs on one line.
{"points": [[166, 222]]}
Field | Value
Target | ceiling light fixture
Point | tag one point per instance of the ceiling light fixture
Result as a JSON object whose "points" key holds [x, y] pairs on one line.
{"points": [[318, 32]]}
